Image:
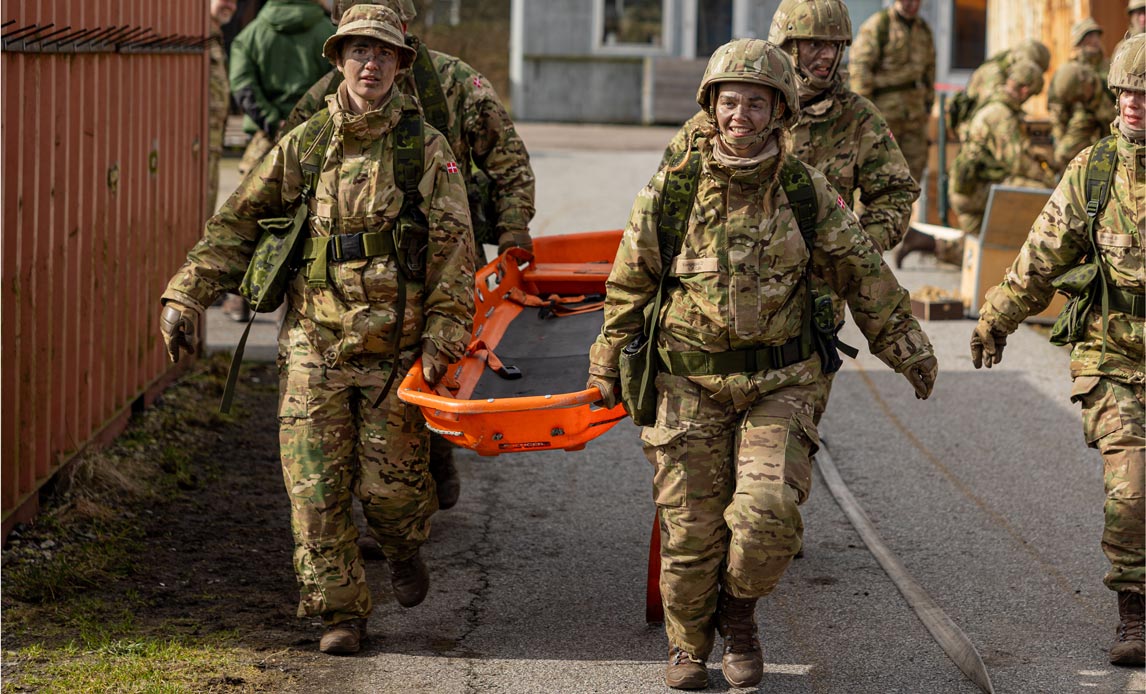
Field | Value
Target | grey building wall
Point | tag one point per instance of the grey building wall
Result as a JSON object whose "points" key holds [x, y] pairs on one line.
{"points": [[582, 91]]}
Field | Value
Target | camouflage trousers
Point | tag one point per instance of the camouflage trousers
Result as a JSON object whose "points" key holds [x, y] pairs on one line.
{"points": [[911, 136], [256, 149], [335, 445], [728, 484], [1114, 422]]}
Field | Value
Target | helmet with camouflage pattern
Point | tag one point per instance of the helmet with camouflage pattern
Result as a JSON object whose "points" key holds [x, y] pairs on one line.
{"points": [[1128, 66], [1026, 73], [405, 8], [755, 61], [1036, 51], [825, 20], [1081, 28], [374, 21]]}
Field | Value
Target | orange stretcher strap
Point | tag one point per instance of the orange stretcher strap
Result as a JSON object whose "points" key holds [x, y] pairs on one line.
{"points": [[555, 304], [479, 350]]}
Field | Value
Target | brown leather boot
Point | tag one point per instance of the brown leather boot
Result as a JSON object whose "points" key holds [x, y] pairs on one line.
{"points": [[344, 638], [685, 671], [444, 472], [743, 662], [1130, 649], [410, 579], [912, 241]]}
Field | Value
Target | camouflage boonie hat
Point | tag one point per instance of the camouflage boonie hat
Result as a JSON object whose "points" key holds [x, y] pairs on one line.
{"points": [[1081, 28], [755, 61], [376, 22], [405, 8], [825, 20], [1036, 51], [1026, 73], [1128, 66], [1135, 5]]}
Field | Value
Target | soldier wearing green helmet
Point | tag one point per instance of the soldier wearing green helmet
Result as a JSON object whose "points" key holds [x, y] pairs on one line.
{"points": [[1136, 9], [989, 78], [461, 103], [721, 252], [1081, 107], [1087, 243]]}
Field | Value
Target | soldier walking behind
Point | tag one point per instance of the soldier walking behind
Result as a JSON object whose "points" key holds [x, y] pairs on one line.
{"points": [[218, 96], [725, 243], [387, 275], [893, 64], [1080, 106], [1088, 243], [461, 104]]}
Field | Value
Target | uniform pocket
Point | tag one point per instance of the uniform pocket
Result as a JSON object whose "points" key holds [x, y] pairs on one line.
{"points": [[664, 447], [1100, 413]]}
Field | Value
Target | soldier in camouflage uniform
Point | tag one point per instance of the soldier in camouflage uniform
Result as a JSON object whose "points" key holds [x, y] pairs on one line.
{"points": [[893, 64], [1137, 11], [989, 78], [1106, 361], [343, 431], [1081, 108], [836, 131], [494, 163], [218, 96], [997, 150], [732, 444]]}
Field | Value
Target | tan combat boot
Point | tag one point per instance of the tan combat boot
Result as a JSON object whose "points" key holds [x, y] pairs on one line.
{"points": [[344, 638], [743, 662], [685, 671], [1130, 649], [410, 579]]}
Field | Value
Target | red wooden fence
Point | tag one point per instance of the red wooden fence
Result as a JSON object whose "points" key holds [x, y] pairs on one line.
{"points": [[104, 155]]}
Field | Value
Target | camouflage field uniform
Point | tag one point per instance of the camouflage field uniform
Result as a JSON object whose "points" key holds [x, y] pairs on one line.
{"points": [[732, 453], [218, 104], [899, 78], [480, 131], [1111, 392], [988, 79], [334, 347], [1081, 107]]}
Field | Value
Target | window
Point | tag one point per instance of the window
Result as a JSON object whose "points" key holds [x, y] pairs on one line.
{"points": [[969, 40], [637, 23], [713, 26]]}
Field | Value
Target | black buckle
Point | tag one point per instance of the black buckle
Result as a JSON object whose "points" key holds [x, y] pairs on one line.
{"points": [[345, 247]]}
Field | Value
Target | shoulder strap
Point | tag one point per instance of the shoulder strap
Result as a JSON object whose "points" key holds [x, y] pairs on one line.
{"points": [[677, 195], [409, 155], [315, 140], [797, 184], [1100, 167], [430, 93]]}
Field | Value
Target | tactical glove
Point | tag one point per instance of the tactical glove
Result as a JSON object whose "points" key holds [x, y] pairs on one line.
{"points": [[921, 375], [434, 362], [514, 239], [179, 325], [607, 387], [987, 345]]}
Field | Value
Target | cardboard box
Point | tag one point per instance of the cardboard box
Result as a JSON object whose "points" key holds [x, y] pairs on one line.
{"points": [[937, 309]]}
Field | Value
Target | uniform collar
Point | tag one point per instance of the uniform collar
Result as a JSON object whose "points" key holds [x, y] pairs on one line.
{"points": [[370, 125]]}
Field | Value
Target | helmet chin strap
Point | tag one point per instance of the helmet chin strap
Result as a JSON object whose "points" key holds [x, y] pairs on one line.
{"points": [[808, 84], [746, 141]]}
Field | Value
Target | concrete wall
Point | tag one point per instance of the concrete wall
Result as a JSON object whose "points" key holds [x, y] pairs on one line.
{"points": [[578, 90]]}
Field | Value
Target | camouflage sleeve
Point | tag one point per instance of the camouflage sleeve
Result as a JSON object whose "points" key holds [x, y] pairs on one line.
{"points": [[863, 55], [679, 142], [313, 101], [849, 261], [217, 263], [1056, 243], [929, 70], [449, 303], [498, 150], [633, 282], [887, 189], [247, 90]]}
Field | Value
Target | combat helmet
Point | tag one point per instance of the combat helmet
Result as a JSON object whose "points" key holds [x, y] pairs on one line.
{"points": [[1081, 28], [1128, 66], [405, 8], [1035, 50], [755, 61], [375, 21], [1026, 73], [825, 20]]}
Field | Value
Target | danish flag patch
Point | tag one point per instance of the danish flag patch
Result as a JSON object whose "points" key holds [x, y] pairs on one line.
{"points": [[891, 135], [477, 82], [451, 167], [840, 201]]}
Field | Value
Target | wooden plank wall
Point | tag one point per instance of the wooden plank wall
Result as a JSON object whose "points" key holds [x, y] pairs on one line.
{"points": [[103, 189]]}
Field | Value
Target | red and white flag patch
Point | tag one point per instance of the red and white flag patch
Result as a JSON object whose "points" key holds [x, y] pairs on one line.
{"points": [[840, 201], [477, 82], [451, 167]]}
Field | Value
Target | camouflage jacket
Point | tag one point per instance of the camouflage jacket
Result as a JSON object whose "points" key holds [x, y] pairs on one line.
{"points": [[354, 314], [739, 278], [1081, 108], [1058, 242], [480, 132], [218, 91], [997, 150], [844, 136], [904, 67]]}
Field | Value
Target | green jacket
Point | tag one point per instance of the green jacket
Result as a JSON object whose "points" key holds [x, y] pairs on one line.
{"points": [[275, 59]]}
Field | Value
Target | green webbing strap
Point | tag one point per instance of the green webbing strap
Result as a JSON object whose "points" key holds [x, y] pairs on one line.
{"points": [[676, 207], [1099, 175], [373, 244], [408, 158], [797, 184], [739, 361], [430, 93]]}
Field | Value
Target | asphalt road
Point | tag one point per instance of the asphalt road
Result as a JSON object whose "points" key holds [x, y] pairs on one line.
{"points": [[986, 493]]}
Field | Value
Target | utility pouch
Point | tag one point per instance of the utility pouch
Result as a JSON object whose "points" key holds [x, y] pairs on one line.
{"points": [[275, 261], [1078, 285], [483, 215], [824, 331], [411, 241]]}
